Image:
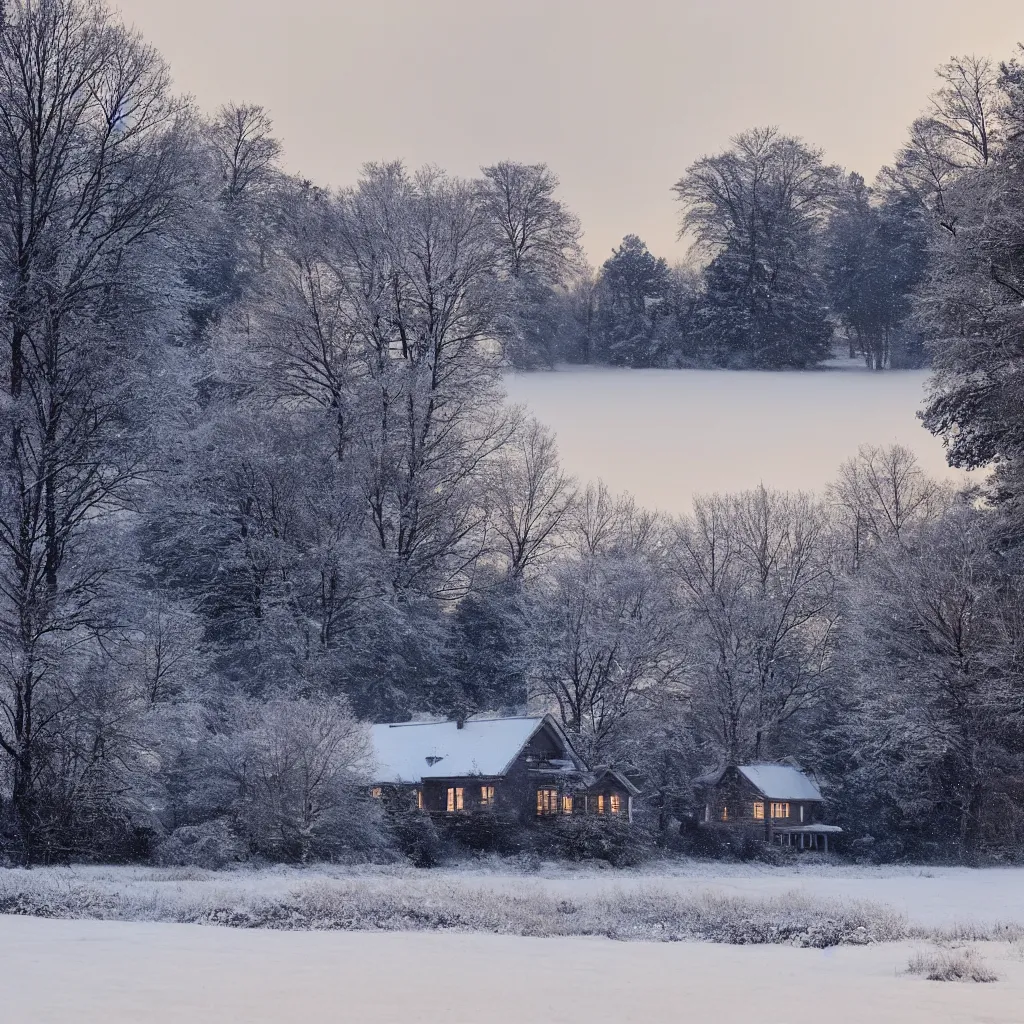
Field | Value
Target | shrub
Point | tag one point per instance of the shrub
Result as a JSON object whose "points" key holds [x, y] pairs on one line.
{"points": [[211, 844], [490, 833], [951, 965], [589, 838], [414, 835]]}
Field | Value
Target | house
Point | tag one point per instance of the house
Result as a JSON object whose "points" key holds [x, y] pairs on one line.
{"points": [[774, 802], [519, 767]]}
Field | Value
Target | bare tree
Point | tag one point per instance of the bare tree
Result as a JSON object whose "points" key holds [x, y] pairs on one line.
{"points": [[752, 196], [530, 498], [245, 150], [882, 493], [93, 172], [605, 641], [536, 235], [415, 256], [757, 575], [962, 129]]}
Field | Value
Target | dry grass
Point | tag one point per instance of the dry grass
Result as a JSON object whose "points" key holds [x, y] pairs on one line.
{"points": [[425, 904], [961, 964]]}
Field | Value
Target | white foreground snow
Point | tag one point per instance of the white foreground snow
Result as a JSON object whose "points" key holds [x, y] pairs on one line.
{"points": [[665, 435], [105, 972]]}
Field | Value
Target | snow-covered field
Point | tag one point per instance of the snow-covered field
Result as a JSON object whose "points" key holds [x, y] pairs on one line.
{"points": [[665, 435], [141, 968], [927, 898], [103, 972]]}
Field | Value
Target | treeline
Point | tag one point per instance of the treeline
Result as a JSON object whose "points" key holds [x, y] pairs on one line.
{"points": [[259, 486], [791, 257]]}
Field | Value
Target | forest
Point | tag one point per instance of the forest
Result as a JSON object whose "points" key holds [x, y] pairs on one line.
{"points": [[259, 485]]}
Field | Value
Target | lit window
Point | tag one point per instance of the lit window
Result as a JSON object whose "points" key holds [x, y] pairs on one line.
{"points": [[547, 802], [616, 802], [419, 799], [801, 812], [759, 811], [600, 803], [456, 801], [376, 792], [567, 805], [486, 796], [725, 814], [780, 810]]}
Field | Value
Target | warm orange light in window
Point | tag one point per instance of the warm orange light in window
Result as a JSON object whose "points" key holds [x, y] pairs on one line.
{"points": [[567, 805], [486, 796], [780, 810], [600, 803], [547, 801], [616, 802], [759, 811], [419, 799], [376, 792], [456, 799], [725, 814]]}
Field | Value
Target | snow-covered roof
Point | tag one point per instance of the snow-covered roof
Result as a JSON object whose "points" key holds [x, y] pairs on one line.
{"points": [[408, 752], [780, 781]]}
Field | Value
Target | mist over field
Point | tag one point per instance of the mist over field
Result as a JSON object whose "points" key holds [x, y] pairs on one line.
{"points": [[667, 435]]}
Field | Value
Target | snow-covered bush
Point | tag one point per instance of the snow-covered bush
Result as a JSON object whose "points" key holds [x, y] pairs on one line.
{"points": [[292, 773], [951, 965], [211, 844], [589, 838]]}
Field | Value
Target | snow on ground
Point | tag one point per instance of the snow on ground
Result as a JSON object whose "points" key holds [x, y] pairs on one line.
{"points": [[665, 435], [928, 897], [104, 972]]}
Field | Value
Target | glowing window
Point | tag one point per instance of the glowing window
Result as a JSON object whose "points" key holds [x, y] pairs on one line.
{"points": [[419, 799], [780, 810], [616, 802], [759, 811], [567, 805], [456, 799], [376, 792], [600, 803], [725, 814], [486, 796], [547, 801]]}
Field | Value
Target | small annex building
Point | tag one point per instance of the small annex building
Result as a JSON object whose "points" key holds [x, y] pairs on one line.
{"points": [[775, 802], [524, 767]]}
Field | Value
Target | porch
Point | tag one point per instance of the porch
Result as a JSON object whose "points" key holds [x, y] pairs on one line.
{"points": [[805, 837]]}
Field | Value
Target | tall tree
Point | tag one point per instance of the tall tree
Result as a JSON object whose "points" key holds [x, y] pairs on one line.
{"points": [[755, 211], [633, 305], [537, 254], [874, 256], [972, 307], [758, 576], [961, 130], [93, 176]]}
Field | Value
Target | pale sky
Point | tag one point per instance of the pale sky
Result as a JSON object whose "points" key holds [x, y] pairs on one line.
{"points": [[617, 96]]}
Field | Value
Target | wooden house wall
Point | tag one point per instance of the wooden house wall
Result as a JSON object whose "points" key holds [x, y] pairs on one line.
{"points": [[515, 793], [735, 793]]}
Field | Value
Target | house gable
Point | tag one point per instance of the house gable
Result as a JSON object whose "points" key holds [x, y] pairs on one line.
{"points": [[408, 753]]}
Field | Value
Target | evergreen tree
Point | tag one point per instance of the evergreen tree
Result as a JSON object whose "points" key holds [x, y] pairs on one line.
{"points": [[634, 294]]}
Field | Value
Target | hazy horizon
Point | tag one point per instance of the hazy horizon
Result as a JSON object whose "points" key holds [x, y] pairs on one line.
{"points": [[617, 99]]}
